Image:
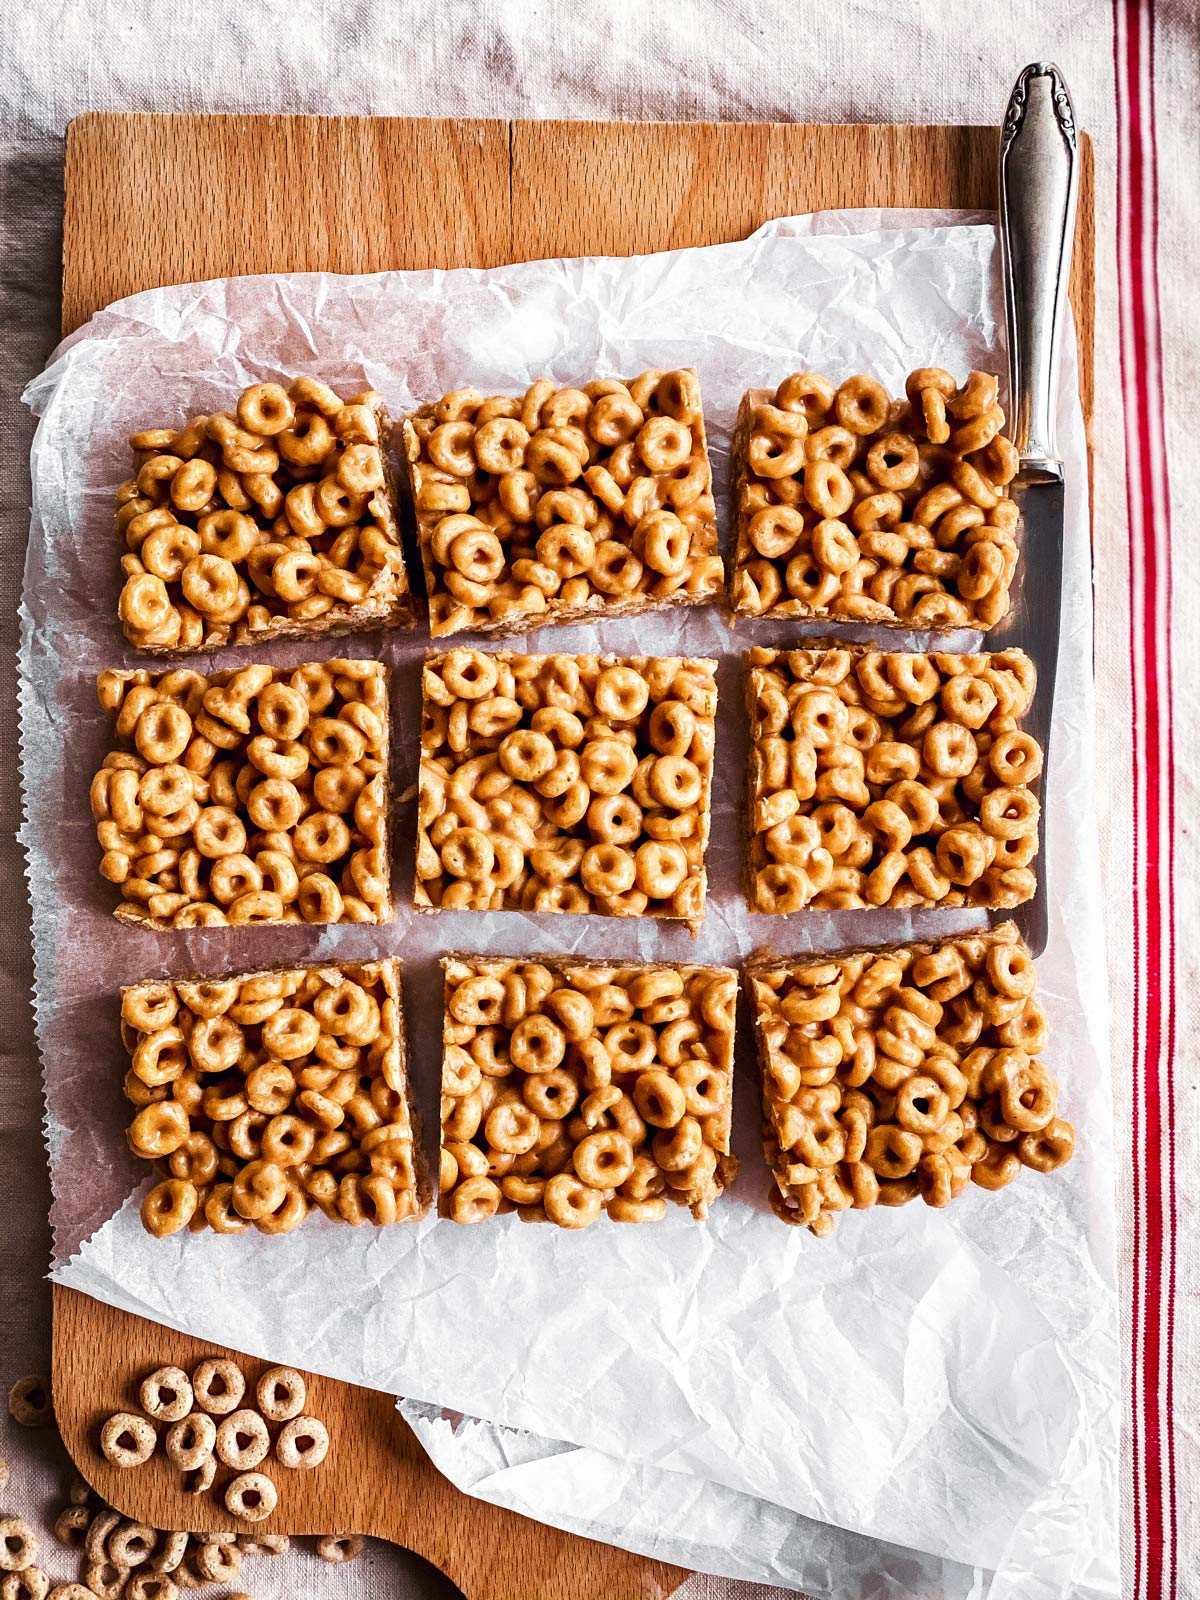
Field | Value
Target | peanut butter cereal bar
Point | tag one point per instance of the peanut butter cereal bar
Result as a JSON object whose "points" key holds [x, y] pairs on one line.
{"points": [[558, 504], [571, 1088], [849, 504], [883, 779], [259, 795], [565, 783], [274, 521], [265, 1096], [892, 1073]]}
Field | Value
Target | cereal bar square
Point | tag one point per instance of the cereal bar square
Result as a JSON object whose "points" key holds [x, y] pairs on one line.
{"points": [[256, 795], [849, 504], [264, 1096], [561, 504], [273, 521], [878, 778], [565, 783], [892, 1073], [570, 1088]]}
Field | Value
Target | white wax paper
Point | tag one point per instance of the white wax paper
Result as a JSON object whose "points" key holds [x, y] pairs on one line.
{"points": [[944, 1382]]}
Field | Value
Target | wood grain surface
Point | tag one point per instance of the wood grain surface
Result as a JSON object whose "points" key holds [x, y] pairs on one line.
{"points": [[154, 200], [376, 1478]]}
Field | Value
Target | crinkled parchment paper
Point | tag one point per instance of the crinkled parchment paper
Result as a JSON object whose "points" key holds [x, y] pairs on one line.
{"points": [[736, 1395]]}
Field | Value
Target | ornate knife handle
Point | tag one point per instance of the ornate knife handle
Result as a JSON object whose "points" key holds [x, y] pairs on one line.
{"points": [[1039, 183]]}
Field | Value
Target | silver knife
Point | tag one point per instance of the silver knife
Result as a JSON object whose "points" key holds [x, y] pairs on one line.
{"points": [[1039, 183]]}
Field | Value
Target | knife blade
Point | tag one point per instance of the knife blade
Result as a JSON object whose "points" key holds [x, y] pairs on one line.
{"points": [[1039, 185]]}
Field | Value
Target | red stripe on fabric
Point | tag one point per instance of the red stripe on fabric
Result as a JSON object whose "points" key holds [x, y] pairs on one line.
{"points": [[1162, 522], [1155, 1551]]}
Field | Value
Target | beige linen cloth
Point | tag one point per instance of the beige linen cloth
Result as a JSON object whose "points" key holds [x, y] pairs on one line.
{"points": [[1133, 69]]}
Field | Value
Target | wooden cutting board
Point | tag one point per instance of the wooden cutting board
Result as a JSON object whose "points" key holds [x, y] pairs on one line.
{"points": [[153, 200]]}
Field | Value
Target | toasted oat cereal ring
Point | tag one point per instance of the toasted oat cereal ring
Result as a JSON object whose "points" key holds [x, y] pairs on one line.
{"points": [[162, 733], [303, 1443], [478, 1001], [218, 1386], [334, 742], [338, 1547], [18, 1545], [30, 1403], [166, 1395], [616, 570], [265, 409], [290, 1034], [469, 674], [1015, 758], [259, 1189], [71, 1591], [210, 584], [29, 1584], [571, 1203], [603, 1160], [190, 1441], [217, 1560], [675, 781], [661, 867], [552, 1095], [169, 1207], [95, 1543], [468, 854], [322, 837], [252, 1497], [1009, 813], [659, 1099], [500, 445], [242, 1440], [131, 1544], [126, 1440], [167, 550], [621, 694], [72, 1522], [475, 1200], [806, 392], [675, 1149], [861, 404], [281, 1393], [513, 1129], [526, 755], [827, 489]]}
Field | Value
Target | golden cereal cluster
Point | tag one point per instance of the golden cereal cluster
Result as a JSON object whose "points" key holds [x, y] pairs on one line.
{"points": [[274, 521], [905, 1072], [848, 504], [562, 503], [571, 1088], [259, 795], [565, 783], [266, 1096], [884, 779]]}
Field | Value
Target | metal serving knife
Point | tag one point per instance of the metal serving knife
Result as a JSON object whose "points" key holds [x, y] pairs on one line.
{"points": [[1039, 182]]}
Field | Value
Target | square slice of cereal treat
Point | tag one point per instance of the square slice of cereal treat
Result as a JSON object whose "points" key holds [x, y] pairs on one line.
{"points": [[888, 1074], [265, 1096], [273, 521], [565, 783], [561, 504], [256, 795], [878, 778], [570, 1088], [852, 505]]}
